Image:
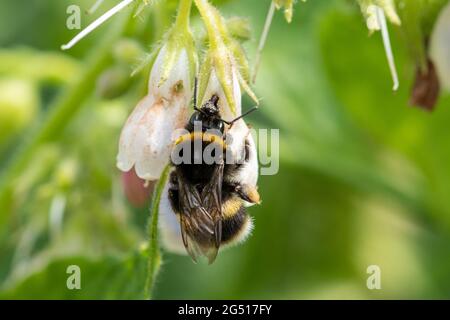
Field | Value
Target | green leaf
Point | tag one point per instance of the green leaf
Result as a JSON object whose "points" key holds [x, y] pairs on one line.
{"points": [[102, 278]]}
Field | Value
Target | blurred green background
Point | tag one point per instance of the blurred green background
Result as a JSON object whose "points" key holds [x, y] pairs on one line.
{"points": [[364, 178]]}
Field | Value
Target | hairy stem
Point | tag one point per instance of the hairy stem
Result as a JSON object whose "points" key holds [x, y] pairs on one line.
{"points": [[263, 39], [208, 14], [183, 14], [154, 254]]}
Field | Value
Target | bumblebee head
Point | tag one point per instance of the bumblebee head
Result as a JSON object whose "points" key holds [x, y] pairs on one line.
{"points": [[208, 115], [211, 108]]}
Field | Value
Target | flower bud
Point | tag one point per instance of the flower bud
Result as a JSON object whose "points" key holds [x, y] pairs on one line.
{"points": [[66, 173], [127, 51], [288, 8], [220, 75], [239, 28], [19, 102], [113, 82], [368, 8]]}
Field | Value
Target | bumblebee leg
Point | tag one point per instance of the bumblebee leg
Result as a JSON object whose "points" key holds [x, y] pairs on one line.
{"points": [[174, 193], [248, 193], [173, 181], [245, 192]]}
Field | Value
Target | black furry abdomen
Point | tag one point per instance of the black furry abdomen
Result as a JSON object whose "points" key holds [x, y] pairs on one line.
{"points": [[232, 227]]}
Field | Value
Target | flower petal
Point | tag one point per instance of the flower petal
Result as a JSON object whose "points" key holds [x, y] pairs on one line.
{"points": [[214, 87], [249, 173], [178, 74], [146, 139], [235, 139], [127, 155], [154, 136], [169, 225]]}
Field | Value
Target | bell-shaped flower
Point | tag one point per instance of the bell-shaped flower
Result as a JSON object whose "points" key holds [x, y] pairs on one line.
{"points": [[223, 73], [146, 139], [225, 67]]}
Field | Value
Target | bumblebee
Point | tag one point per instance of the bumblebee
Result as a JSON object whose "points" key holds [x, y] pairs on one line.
{"points": [[209, 199]]}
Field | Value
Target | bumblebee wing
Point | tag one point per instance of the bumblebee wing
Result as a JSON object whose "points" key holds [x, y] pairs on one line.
{"points": [[212, 201], [197, 226], [201, 216], [191, 246]]}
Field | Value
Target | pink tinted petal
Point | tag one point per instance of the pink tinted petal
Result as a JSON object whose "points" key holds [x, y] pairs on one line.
{"points": [[136, 190]]}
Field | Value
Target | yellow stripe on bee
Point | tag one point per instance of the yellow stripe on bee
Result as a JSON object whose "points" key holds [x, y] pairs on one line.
{"points": [[231, 207], [204, 136]]}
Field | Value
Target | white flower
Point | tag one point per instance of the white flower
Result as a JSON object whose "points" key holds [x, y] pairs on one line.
{"points": [[239, 131], [146, 139], [225, 68], [169, 225], [228, 110], [224, 72]]}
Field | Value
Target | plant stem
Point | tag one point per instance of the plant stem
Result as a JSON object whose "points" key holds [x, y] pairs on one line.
{"points": [[263, 39], [209, 18], [62, 112], [154, 254], [183, 14]]}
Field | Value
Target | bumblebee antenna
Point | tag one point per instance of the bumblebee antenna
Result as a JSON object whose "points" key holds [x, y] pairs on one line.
{"points": [[195, 96], [195, 93], [230, 123]]}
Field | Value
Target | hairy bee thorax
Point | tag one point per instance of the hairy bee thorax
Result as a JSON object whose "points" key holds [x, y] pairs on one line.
{"points": [[205, 137]]}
